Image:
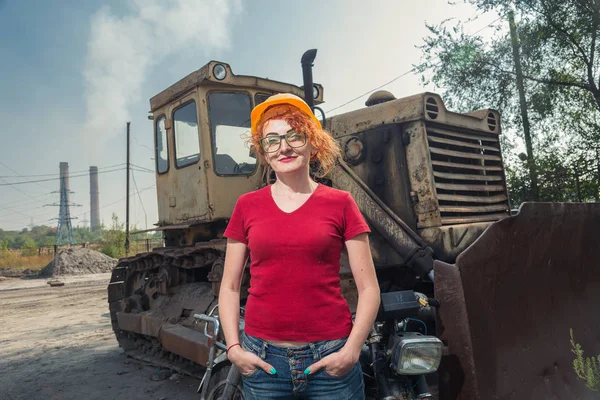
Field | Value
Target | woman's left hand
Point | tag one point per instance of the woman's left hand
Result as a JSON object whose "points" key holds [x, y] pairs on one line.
{"points": [[335, 364]]}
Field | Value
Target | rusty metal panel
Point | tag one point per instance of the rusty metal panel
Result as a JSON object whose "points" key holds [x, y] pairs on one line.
{"points": [[421, 176], [449, 241], [467, 177], [473, 199], [177, 89], [468, 169], [464, 154], [447, 132], [390, 113], [205, 75], [185, 342], [130, 322], [526, 283], [473, 209], [470, 188], [381, 218], [466, 166], [462, 144], [475, 218], [378, 158]]}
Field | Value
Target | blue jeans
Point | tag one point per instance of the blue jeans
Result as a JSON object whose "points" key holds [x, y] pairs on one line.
{"points": [[290, 382]]}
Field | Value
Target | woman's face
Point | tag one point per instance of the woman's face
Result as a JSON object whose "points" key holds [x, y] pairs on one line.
{"points": [[286, 159]]}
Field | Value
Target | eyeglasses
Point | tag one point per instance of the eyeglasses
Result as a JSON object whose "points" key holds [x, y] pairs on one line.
{"points": [[272, 143]]}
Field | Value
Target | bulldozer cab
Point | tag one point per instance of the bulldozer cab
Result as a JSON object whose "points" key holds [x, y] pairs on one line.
{"points": [[203, 159]]}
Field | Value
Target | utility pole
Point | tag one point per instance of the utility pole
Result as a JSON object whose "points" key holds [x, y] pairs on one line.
{"points": [[577, 185], [535, 194], [127, 201]]}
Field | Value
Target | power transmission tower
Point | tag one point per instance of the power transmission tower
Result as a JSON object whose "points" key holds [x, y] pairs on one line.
{"points": [[64, 231], [85, 220]]}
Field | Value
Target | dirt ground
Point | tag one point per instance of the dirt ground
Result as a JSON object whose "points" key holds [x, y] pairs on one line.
{"points": [[57, 343]]}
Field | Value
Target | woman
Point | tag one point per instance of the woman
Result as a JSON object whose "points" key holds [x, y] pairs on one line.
{"points": [[299, 340]]}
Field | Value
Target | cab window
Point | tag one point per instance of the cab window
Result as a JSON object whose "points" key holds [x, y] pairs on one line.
{"points": [[185, 130], [229, 114], [162, 147], [260, 97]]}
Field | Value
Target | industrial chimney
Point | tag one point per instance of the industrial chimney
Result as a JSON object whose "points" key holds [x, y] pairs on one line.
{"points": [[64, 180], [94, 199]]}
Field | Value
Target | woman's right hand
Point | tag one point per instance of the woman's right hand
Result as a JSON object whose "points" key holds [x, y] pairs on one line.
{"points": [[248, 362]]}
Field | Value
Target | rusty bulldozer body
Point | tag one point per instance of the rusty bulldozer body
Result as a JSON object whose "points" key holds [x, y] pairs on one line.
{"points": [[431, 185]]}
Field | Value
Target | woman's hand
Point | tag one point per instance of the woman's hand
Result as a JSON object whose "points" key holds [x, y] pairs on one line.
{"points": [[248, 362], [335, 364]]}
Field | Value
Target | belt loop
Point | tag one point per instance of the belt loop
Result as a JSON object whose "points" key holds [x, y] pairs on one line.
{"points": [[263, 350], [315, 351]]}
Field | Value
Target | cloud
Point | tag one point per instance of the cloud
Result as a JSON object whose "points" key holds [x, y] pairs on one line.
{"points": [[122, 50]]}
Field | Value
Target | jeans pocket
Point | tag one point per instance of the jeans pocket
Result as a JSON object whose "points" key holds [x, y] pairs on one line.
{"points": [[331, 346], [251, 374], [347, 374], [251, 347]]}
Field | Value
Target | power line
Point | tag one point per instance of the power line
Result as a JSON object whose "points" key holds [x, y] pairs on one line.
{"points": [[42, 175], [140, 197], [374, 89], [78, 215], [10, 184], [142, 145], [142, 170], [115, 202], [413, 69], [54, 179], [147, 169], [37, 200], [37, 217]]}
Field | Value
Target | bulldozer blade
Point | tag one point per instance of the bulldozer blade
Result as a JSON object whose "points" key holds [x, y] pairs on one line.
{"points": [[519, 310]]}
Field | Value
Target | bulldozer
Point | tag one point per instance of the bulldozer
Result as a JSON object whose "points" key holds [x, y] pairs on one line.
{"points": [[507, 302]]}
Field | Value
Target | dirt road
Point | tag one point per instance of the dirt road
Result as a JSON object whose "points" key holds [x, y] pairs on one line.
{"points": [[57, 343]]}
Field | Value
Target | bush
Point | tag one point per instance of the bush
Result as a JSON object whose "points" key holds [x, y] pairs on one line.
{"points": [[112, 251], [29, 248], [114, 239]]}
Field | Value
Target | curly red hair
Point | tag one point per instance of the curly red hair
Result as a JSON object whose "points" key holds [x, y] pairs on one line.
{"points": [[326, 148]]}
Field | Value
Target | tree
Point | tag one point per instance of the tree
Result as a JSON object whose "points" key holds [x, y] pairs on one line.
{"points": [[3, 248], [114, 239], [29, 247], [559, 54]]}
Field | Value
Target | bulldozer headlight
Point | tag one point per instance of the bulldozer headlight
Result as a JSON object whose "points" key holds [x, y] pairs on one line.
{"points": [[416, 355], [220, 72]]}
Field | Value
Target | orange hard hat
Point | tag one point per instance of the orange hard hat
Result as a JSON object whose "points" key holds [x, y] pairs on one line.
{"points": [[281, 98]]}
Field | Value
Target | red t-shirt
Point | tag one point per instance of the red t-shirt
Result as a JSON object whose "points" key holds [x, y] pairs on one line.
{"points": [[294, 290]]}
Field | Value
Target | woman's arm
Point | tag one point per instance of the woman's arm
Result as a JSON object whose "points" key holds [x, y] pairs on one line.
{"points": [[229, 309], [229, 293], [363, 271]]}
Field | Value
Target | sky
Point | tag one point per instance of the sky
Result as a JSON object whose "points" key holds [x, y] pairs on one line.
{"points": [[74, 72]]}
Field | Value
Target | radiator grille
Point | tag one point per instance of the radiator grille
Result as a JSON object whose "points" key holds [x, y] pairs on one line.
{"points": [[469, 177]]}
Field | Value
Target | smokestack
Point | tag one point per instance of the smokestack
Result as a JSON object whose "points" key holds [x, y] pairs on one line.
{"points": [[94, 199], [64, 179]]}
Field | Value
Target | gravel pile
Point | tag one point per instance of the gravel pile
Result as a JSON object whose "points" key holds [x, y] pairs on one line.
{"points": [[78, 262]]}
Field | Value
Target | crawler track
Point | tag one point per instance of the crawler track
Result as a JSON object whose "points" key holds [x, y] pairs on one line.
{"points": [[153, 297]]}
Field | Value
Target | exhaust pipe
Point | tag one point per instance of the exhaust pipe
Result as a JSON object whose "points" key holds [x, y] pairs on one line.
{"points": [[307, 63]]}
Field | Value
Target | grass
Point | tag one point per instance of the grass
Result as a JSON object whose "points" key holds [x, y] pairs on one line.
{"points": [[20, 262]]}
